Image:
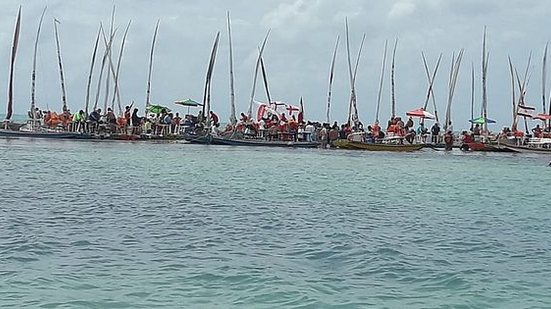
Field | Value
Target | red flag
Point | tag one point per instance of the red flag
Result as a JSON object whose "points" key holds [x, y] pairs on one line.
{"points": [[300, 117]]}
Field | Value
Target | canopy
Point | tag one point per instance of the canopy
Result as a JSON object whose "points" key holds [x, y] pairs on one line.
{"points": [[420, 113], [543, 117], [482, 120], [157, 109], [188, 102]]}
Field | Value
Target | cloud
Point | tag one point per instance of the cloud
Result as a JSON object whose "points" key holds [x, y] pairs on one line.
{"points": [[402, 8], [297, 56]]}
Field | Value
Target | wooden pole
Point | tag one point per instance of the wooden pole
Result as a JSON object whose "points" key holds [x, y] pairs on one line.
{"points": [[331, 76], [33, 75], [60, 63]]}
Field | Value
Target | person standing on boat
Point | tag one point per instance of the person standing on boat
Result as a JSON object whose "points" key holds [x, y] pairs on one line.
{"points": [[476, 130], [136, 121], [448, 140], [376, 129], [538, 132], [322, 136], [110, 117], [78, 120], [409, 124], [435, 132], [214, 118], [309, 131], [450, 127], [94, 118], [127, 114]]}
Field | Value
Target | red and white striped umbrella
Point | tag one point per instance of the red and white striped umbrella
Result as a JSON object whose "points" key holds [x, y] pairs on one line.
{"points": [[543, 117], [420, 113]]}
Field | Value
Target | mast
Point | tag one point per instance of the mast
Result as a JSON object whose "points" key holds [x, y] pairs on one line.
{"points": [[352, 107], [33, 75], [355, 116], [61, 76], [485, 56], [448, 103], [12, 67], [544, 77], [511, 70], [352, 94], [206, 97], [108, 45], [88, 86], [431, 80], [233, 118], [117, 94], [108, 79], [265, 79], [392, 81], [454, 74], [148, 92], [383, 66], [331, 76], [250, 111], [524, 85], [472, 92]]}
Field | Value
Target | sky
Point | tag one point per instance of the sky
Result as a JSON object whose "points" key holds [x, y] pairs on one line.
{"points": [[297, 56]]}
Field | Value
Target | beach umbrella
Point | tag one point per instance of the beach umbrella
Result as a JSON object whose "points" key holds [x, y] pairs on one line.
{"points": [[482, 120], [543, 117], [420, 113], [157, 109], [189, 103]]}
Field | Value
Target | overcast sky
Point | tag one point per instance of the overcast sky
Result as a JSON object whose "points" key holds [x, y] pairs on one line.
{"points": [[297, 55]]}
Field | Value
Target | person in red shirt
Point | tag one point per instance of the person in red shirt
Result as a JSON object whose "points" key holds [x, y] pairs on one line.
{"points": [[214, 118]]}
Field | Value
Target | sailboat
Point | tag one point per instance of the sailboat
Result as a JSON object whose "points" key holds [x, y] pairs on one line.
{"points": [[234, 139], [485, 144], [29, 131], [518, 142], [358, 140]]}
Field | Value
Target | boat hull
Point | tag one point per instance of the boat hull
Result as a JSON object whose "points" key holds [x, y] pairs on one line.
{"points": [[346, 144], [262, 143], [48, 135], [483, 147], [212, 140], [524, 149]]}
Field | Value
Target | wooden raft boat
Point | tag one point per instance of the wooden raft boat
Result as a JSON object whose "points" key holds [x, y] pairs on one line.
{"points": [[346, 144]]}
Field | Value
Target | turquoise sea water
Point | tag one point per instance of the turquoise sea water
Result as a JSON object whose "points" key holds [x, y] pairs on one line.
{"points": [[150, 225]]}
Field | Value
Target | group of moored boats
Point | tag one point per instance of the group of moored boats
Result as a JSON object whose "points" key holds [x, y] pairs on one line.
{"points": [[399, 137]]}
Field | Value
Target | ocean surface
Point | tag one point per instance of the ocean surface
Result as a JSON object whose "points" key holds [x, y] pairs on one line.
{"points": [[89, 224]]}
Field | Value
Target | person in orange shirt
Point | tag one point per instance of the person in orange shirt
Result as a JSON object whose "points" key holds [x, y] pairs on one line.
{"points": [[376, 129]]}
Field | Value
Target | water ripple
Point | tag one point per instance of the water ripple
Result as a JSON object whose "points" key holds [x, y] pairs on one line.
{"points": [[137, 225]]}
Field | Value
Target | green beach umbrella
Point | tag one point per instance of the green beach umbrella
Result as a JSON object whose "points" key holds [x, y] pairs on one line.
{"points": [[188, 103], [482, 120], [157, 109]]}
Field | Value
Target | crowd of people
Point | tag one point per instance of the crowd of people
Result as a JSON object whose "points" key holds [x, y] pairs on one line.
{"points": [[270, 127], [295, 128], [100, 122]]}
